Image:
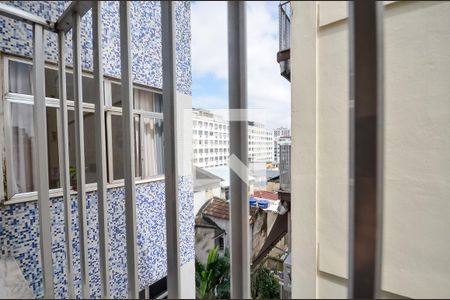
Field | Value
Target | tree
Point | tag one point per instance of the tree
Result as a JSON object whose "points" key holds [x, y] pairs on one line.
{"points": [[213, 279], [264, 284]]}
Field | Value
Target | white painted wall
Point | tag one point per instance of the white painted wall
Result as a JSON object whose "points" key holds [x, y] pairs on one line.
{"points": [[187, 275], [416, 243]]}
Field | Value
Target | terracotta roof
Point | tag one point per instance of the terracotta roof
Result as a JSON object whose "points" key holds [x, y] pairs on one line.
{"points": [[220, 208], [217, 208], [265, 195]]}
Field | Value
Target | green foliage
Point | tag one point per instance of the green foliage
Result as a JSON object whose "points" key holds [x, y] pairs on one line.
{"points": [[264, 284], [213, 279]]}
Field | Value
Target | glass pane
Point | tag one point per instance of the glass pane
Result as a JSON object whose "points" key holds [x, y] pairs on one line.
{"points": [[52, 142], [137, 146], [148, 101], [116, 94], [117, 149], [88, 86], [153, 143], [51, 83], [89, 147], [22, 145], [23, 157], [20, 78], [158, 103]]}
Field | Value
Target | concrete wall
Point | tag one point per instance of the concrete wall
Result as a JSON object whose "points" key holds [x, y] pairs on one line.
{"points": [[417, 146]]}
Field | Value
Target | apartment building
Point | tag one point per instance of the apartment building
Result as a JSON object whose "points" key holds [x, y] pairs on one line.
{"points": [[415, 168], [211, 140], [68, 259], [281, 132]]}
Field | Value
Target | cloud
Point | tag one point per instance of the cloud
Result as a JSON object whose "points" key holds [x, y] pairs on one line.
{"points": [[266, 88]]}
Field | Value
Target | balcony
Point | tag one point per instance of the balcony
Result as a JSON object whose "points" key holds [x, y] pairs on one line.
{"points": [[284, 52]]}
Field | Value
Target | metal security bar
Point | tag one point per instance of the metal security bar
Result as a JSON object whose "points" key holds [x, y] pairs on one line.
{"points": [[366, 147], [170, 147], [239, 208], [80, 159], [64, 161], [128, 143], [100, 148], [41, 173]]}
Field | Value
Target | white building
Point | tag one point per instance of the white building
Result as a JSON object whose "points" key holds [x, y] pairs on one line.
{"points": [[211, 142], [260, 143], [282, 134]]}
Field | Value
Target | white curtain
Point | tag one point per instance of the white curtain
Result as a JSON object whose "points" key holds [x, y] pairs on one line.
{"points": [[149, 155], [20, 80], [152, 144], [23, 156]]}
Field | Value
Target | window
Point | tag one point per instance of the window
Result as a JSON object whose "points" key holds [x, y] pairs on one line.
{"points": [[22, 151], [19, 128], [220, 243]]}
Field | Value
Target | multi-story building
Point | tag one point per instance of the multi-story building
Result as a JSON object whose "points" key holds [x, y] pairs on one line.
{"points": [[36, 255], [285, 140], [280, 135], [260, 143], [281, 132], [211, 140]]}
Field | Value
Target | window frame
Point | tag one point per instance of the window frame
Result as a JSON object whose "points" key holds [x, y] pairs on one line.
{"points": [[9, 97]]}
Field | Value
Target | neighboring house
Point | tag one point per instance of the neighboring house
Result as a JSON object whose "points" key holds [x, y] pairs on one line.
{"points": [[268, 226], [416, 190], [19, 232], [206, 186], [273, 180], [212, 228]]}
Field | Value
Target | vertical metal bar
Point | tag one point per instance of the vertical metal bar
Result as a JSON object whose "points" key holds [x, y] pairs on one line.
{"points": [[40, 125], [366, 147], [100, 148], [64, 161], [237, 93], [170, 146], [128, 143], [79, 141]]}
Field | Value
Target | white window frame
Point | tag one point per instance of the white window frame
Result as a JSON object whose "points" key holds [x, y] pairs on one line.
{"points": [[9, 98]]}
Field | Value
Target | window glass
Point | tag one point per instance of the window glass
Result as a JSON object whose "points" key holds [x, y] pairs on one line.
{"points": [[89, 147], [116, 94], [21, 82], [117, 150], [23, 149], [51, 83], [147, 101], [153, 143], [117, 142], [20, 78]]}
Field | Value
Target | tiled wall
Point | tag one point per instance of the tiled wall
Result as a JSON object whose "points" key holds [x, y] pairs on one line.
{"points": [[19, 235], [21, 238], [16, 38]]}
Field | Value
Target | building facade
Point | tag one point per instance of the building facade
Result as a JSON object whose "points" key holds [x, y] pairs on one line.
{"points": [[19, 232], [416, 147], [280, 134], [211, 140]]}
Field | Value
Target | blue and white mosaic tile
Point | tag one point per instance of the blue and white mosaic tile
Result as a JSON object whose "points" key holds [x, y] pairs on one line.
{"points": [[20, 238], [16, 38]]}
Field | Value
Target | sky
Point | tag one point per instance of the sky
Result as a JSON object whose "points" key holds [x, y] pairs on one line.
{"points": [[268, 91]]}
